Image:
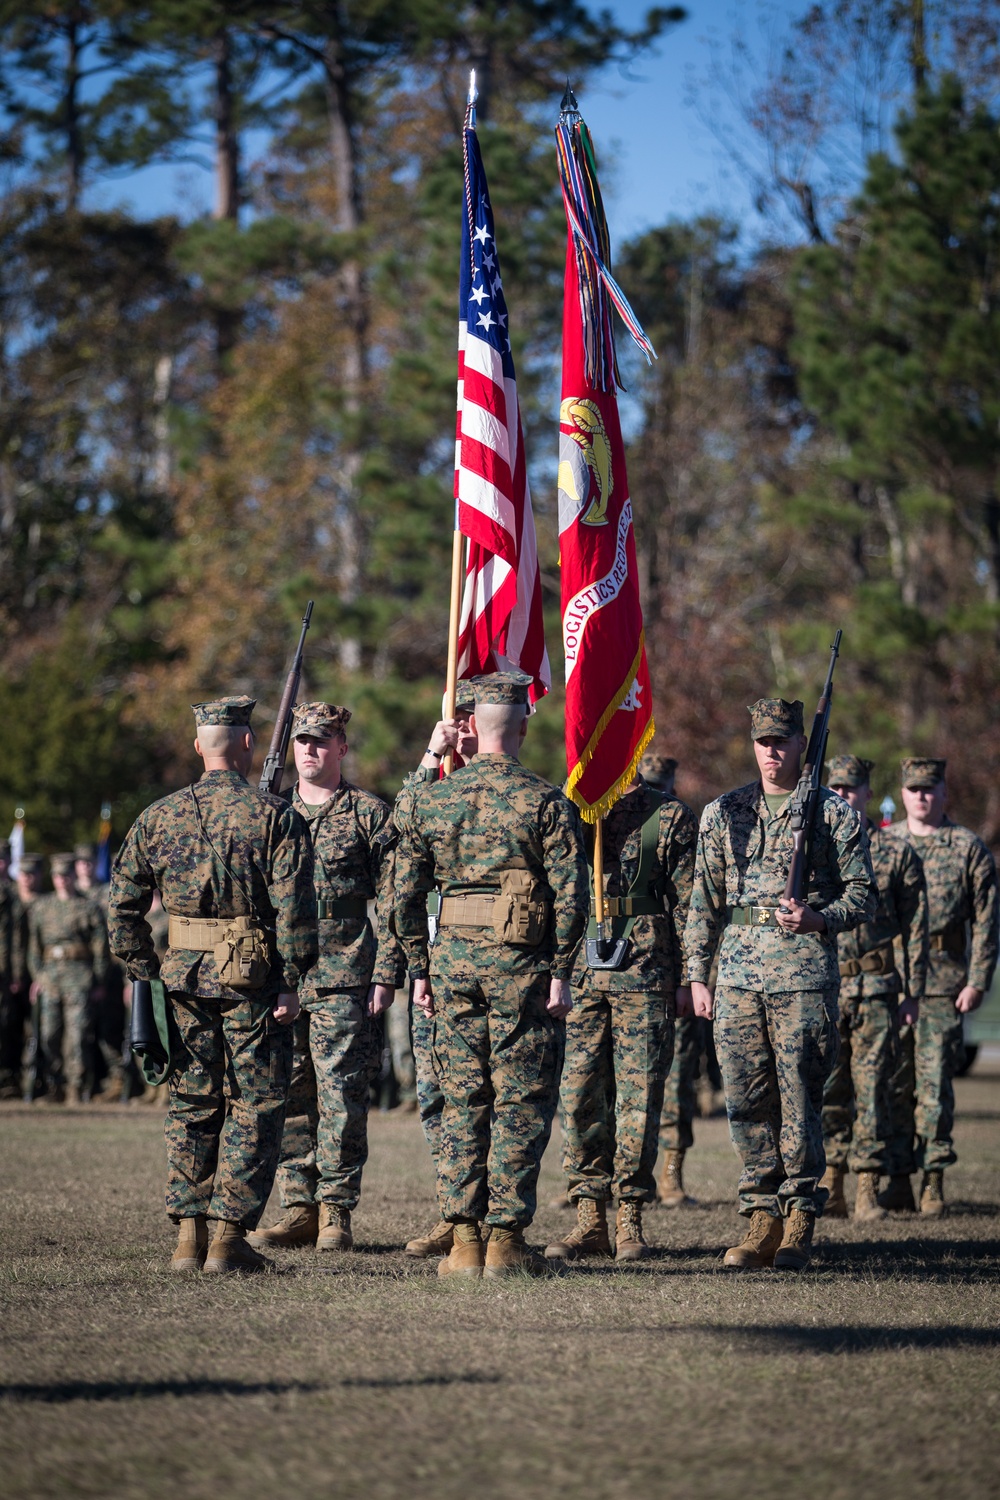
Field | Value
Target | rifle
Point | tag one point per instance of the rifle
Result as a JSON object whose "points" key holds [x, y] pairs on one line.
{"points": [[802, 808], [274, 765]]}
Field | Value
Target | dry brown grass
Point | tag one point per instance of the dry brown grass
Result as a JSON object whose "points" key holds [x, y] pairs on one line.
{"points": [[876, 1373]]}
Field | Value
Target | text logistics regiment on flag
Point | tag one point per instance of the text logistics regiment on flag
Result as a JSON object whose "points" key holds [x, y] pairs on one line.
{"points": [[609, 714], [501, 623]]}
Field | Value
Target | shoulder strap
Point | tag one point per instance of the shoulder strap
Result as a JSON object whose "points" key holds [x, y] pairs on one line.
{"points": [[649, 838]]}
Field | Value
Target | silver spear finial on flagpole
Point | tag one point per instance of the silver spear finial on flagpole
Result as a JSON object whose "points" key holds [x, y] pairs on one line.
{"points": [[569, 106], [470, 117]]}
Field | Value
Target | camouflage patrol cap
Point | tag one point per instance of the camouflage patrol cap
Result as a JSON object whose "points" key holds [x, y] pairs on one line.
{"points": [[774, 717], [465, 696], [62, 864], [85, 851], [31, 864], [658, 771], [917, 771], [501, 687], [231, 713], [848, 770], [320, 721]]}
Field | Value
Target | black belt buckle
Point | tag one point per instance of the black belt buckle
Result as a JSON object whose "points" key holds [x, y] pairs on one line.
{"points": [[606, 955]]}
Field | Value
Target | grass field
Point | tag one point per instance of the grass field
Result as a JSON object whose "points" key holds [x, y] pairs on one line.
{"points": [[875, 1373]]}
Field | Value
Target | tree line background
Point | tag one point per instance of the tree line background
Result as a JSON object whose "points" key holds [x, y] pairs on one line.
{"points": [[206, 420]]}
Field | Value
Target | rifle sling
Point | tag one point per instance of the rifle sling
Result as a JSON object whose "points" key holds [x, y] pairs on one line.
{"points": [[641, 900]]}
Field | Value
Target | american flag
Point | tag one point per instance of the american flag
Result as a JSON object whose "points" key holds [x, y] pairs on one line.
{"points": [[501, 621]]}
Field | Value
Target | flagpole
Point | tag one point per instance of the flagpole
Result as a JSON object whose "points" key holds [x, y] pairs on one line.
{"points": [[599, 910], [451, 678], [455, 603]]}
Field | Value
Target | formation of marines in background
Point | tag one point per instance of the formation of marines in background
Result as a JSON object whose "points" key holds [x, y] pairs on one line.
{"points": [[283, 930]]}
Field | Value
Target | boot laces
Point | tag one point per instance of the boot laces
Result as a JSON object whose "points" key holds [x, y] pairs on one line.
{"points": [[588, 1220], [630, 1221], [799, 1228], [761, 1224]]}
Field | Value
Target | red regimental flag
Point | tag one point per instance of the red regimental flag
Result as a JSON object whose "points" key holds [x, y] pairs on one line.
{"points": [[609, 714]]}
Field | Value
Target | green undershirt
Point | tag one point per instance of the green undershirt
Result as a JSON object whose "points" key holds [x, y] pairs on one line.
{"points": [[776, 801]]}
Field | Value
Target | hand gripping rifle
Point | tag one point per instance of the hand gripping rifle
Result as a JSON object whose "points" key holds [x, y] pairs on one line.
{"points": [[802, 809], [274, 765]]}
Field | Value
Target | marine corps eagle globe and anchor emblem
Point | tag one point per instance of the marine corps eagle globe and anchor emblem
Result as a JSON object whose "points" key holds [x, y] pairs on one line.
{"points": [[586, 478]]}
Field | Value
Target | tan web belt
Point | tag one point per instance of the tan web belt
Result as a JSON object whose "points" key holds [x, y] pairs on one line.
{"points": [[467, 911], [951, 941], [754, 916], [70, 951], [876, 961], [203, 933]]}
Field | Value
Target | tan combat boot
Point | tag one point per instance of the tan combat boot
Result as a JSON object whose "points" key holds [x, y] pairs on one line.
{"points": [[836, 1203], [758, 1248], [298, 1226], [796, 1242], [192, 1244], [630, 1243], [897, 1197], [507, 1254], [589, 1237], [467, 1255], [334, 1228], [437, 1241], [866, 1204], [671, 1192], [932, 1203], [230, 1252], [112, 1091]]}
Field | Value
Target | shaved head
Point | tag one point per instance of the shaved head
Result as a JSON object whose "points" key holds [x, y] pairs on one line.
{"points": [[498, 720], [219, 739], [500, 727], [226, 747]]}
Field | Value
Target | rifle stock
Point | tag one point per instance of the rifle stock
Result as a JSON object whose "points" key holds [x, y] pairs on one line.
{"points": [[274, 764], [806, 794]]}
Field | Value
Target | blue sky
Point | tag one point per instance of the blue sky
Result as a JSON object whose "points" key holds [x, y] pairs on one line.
{"points": [[659, 157]]}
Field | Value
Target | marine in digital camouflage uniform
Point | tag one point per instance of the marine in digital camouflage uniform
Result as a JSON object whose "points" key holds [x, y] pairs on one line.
{"points": [[14, 979], [216, 851], [107, 1058], [692, 1042], [67, 958], [338, 1036], [29, 885], [506, 852], [856, 1101], [776, 999], [454, 735], [619, 1034], [964, 914]]}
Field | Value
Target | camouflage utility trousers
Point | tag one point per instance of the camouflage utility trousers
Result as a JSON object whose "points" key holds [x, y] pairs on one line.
{"points": [[679, 1098], [498, 1055], [324, 1148], [618, 1050], [397, 1034], [776, 1052], [856, 1102], [67, 1023], [922, 1096], [430, 1100], [227, 1108]]}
